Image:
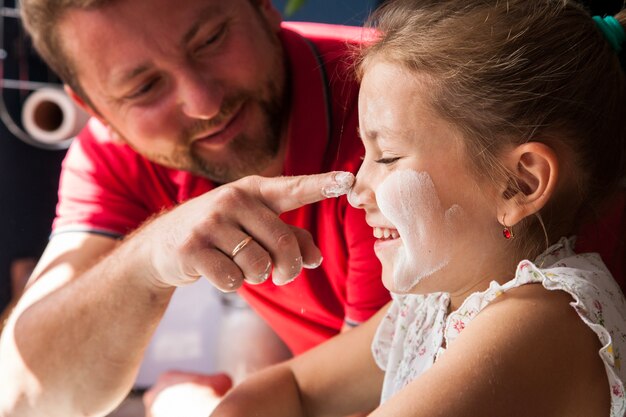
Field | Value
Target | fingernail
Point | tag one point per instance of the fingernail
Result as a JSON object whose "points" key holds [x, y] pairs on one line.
{"points": [[264, 275], [314, 264], [295, 269], [343, 183]]}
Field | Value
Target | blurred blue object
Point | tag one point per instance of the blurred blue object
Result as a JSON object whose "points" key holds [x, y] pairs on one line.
{"points": [[344, 12]]}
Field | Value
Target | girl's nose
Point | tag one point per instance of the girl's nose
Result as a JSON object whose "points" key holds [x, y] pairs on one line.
{"points": [[361, 195]]}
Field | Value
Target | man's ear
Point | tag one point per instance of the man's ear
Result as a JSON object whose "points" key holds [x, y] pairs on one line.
{"points": [[272, 15], [535, 168], [79, 101], [111, 133]]}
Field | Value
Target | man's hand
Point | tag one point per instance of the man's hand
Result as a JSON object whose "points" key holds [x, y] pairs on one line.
{"points": [[183, 394], [234, 233]]}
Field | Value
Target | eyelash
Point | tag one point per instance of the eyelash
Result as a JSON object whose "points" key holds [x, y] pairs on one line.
{"points": [[216, 36], [147, 87], [387, 161], [143, 90]]}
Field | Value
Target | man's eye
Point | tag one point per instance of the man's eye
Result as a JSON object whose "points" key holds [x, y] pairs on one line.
{"points": [[214, 38], [143, 89], [387, 161]]}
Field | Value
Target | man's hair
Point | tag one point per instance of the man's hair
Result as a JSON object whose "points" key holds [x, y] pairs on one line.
{"points": [[508, 72], [41, 19]]}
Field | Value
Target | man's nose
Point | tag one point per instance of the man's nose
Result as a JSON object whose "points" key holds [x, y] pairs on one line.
{"points": [[199, 98]]}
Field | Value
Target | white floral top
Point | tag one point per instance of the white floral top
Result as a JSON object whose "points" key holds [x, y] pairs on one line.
{"points": [[410, 337]]}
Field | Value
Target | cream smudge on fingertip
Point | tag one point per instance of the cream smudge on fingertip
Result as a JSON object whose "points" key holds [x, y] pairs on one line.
{"points": [[343, 184]]}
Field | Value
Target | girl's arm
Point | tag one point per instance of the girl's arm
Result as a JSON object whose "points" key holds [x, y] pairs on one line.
{"points": [[526, 354], [336, 378]]}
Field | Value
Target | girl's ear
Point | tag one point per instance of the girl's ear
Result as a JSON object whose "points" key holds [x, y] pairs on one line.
{"points": [[535, 171]]}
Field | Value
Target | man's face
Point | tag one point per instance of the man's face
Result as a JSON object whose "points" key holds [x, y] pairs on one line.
{"points": [[197, 85]]}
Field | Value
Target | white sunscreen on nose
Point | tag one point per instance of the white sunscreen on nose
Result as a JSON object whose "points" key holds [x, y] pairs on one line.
{"points": [[409, 200], [353, 198]]}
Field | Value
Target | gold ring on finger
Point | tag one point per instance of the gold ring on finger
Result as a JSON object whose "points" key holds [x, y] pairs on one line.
{"points": [[240, 246]]}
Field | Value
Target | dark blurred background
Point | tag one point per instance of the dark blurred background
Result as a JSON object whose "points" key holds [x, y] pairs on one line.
{"points": [[28, 175]]}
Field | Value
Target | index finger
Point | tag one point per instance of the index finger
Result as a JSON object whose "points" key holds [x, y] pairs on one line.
{"points": [[288, 193]]}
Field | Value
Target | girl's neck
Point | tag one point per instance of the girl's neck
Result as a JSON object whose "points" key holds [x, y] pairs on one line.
{"points": [[483, 274]]}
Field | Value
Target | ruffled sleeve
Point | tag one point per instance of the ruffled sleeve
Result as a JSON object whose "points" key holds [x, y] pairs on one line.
{"points": [[408, 338]]}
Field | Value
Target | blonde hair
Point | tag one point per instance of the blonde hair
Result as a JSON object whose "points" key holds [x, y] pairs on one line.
{"points": [[509, 72]]}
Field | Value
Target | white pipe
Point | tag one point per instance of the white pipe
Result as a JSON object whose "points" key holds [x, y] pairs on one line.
{"points": [[50, 116]]}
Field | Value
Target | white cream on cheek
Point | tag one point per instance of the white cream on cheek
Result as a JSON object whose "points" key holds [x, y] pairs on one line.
{"points": [[409, 200]]}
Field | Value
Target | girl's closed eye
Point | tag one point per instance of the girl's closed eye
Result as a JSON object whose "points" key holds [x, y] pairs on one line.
{"points": [[387, 160]]}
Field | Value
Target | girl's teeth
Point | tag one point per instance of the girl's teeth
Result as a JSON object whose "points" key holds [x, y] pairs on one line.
{"points": [[380, 233]]}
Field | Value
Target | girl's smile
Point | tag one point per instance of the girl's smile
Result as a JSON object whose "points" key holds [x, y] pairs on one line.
{"points": [[385, 234], [387, 239]]}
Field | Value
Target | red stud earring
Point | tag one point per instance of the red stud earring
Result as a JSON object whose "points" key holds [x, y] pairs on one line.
{"points": [[506, 232]]}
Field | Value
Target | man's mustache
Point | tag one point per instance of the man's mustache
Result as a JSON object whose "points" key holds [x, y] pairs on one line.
{"points": [[228, 107]]}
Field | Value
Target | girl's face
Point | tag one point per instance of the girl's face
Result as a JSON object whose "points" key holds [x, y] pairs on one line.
{"points": [[433, 218]]}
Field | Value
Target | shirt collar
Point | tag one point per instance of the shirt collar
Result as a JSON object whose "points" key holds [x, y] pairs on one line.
{"points": [[309, 120]]}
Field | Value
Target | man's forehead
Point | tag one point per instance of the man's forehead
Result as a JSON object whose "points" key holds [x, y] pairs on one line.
{"points": [[110, 38], [139, 16]]}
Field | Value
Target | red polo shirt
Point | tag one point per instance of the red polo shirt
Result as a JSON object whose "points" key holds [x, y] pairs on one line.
{"points": [[108, 188]]}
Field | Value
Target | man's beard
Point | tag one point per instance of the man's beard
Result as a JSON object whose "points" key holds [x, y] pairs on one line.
{"points": [[246, 155], [249, 156]]}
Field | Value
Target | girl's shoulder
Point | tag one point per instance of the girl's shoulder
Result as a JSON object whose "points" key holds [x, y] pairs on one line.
{"points": [[533, 350], [583, 280], [558, 330]]}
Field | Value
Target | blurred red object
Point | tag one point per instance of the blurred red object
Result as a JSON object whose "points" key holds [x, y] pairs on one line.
{"points": [[607, 236]]}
